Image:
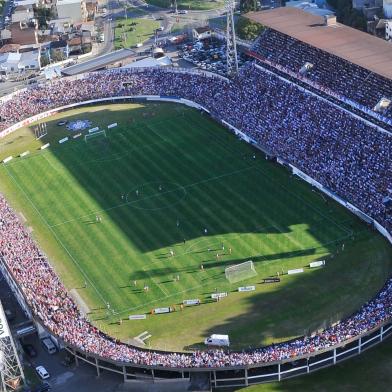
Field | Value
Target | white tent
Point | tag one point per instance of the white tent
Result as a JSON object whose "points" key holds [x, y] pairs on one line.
{"points": [[150, 62]]}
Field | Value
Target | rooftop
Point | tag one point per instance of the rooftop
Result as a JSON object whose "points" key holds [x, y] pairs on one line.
{"points": [[25, 36], [66, 2], [98, 62], [353, 45], [9, 48], [201, 30]]}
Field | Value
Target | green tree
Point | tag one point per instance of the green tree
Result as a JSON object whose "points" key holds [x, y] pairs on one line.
{"points": [[347, 15], [248, 5], [43, 16], [247, 29]]}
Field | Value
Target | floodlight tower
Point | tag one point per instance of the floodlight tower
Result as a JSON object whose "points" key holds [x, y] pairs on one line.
{"points": [[11, 372], [231, 50]]}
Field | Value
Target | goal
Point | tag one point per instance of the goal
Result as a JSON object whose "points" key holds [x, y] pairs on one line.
{"points": [[239, 272], [94, 135], [40, 131]]}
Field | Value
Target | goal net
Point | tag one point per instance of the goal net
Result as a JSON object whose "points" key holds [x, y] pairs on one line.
{"points": [[94, 135], [239, 272]]}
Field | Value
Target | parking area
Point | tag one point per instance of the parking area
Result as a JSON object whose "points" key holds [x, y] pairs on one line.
{"points": [[208, 55], [63, 376]]}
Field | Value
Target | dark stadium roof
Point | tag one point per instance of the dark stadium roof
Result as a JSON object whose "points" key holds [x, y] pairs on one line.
{"points": [[353, 45], [98, 62]]}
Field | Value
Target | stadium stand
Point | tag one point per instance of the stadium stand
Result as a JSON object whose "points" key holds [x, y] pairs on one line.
{"points": [[346, 79], [345, 153], [345, 61]]}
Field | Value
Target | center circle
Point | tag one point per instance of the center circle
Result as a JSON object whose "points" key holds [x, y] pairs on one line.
{"points": [[155, 195]]}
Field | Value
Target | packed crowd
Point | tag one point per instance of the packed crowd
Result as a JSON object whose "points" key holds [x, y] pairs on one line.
{"points": [[50, 301], [341, 76], [343, 152]]}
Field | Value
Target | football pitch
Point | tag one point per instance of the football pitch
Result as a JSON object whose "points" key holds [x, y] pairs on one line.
{"points": [[168, 200]]}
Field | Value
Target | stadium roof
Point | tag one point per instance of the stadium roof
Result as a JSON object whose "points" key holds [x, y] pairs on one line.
{"points": [[353, 45], [98, 62]]}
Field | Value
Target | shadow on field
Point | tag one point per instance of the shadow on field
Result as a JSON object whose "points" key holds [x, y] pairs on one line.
{"points": [[100, 172], [295, 306], [241, 208], [213, 263]]}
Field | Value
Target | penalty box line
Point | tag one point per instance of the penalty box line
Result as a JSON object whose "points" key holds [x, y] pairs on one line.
{"points": [[160, 299], [56, 236], [154, 195]]}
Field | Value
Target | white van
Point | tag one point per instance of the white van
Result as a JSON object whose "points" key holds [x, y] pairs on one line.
{"points": [[217, 340], [48, 345], [41, 371]]}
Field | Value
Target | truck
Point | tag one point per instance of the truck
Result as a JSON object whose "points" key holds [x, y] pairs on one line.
{"points": [[178, 39], [217, 340]]}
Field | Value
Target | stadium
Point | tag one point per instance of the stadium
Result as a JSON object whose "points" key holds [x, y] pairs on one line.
{"points": [[144, 210]]}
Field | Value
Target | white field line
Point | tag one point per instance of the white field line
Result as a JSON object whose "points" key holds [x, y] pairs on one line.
{"points": [[165, 292], [154, 195], [50, 163], [204, 284], [120, 155], [289, 191], [56, 236], [160, 299]]}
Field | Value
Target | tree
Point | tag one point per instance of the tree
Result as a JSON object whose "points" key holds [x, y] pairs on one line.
{"points": [[43, 16], [347, 15], [248, 5], [247, 29]]}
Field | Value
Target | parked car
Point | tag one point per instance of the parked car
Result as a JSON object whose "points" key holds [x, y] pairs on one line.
{"points": [[42, 373], [49, 346], [29, 350]]}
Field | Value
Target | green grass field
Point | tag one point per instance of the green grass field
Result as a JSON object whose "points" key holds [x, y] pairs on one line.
{"points": [[161, 177], [142, 30]]}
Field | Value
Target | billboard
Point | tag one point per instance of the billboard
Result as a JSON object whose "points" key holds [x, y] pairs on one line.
{"points": [[4, 329]]}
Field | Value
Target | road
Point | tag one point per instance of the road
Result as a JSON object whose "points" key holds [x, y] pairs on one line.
{"points": [[116, 10]]}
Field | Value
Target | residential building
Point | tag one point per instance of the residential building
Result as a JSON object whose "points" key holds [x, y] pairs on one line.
{"points": [[58, 51], [377, 27], [23, 33], [73, 9], [388, 30], [387, 7], [200, 33], [23, 13], [75, 45], [91, 8], [14, 63]]}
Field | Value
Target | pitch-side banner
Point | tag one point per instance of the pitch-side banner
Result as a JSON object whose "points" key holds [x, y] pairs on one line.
{"points": [[4, 329], [295, 271], [317, 263], [218, 295], [247, 288], [162, 310], [190, 302], [137, 317]]}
